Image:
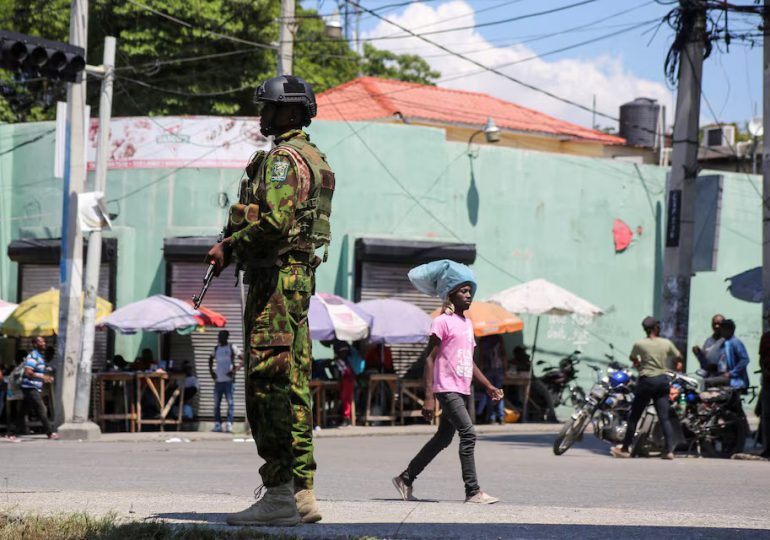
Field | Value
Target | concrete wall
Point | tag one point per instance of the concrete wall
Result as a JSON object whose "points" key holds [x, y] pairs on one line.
{"points": [[530, 214]]}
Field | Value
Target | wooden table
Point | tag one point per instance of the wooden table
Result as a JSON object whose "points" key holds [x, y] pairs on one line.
{"points": [[156, 383], [377, 382], [127, 381], [520, 379], [319, 391]]}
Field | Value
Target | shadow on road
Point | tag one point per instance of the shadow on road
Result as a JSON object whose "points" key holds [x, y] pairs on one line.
{"points": [[545, 440], [452, 531]]}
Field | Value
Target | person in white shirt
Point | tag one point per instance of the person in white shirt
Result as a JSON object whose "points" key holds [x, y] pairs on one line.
{"points": [[223, 374]]}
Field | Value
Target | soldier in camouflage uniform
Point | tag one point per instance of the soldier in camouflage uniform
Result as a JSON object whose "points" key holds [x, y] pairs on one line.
{"points": [[281, 219]]}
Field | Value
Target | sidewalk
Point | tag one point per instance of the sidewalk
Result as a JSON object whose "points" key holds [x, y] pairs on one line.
{"points": [[352, 431]]}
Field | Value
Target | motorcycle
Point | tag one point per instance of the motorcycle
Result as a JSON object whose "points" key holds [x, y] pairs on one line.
{"points": [[554, 387], [607, 407], [710, 422]]}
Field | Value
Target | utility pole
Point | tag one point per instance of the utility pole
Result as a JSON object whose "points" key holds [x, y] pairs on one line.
{"points": [[766, 165], [286, 38], [680, 222], [94, 254], [71, 262]]}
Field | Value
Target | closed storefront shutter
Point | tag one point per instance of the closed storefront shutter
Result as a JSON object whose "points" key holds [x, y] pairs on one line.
{"points": [[185, 279], [389, 280], [38, 278], [382, 265]]}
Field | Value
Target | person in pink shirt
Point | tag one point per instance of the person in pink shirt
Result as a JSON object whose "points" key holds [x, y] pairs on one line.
{"points": [[449, 372]]}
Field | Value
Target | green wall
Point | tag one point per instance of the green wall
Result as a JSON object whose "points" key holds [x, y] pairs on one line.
{"points": [[530, 215]]}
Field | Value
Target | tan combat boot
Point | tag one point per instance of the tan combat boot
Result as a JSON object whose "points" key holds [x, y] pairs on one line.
{"points": [[276, 508], [306, 506]]}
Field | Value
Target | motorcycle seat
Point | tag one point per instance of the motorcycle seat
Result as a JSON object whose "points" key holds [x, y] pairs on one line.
{"points": [[715, 395]]}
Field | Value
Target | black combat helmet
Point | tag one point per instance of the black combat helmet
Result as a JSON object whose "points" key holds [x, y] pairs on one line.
{"points": [[288, 89]]}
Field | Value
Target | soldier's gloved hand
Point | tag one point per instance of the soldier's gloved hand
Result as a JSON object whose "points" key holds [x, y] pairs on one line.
{"points": [[220, 256]]}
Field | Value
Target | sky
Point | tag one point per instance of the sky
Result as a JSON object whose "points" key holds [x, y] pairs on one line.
{"points": [[613, 70]]}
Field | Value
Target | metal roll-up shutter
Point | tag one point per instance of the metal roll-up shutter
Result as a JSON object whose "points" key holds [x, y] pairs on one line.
{"points": [[389, 280], [38, 278], [222, 297]]}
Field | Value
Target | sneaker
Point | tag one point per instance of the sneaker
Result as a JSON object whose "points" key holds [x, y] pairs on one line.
{"points": [[481, 498], [667, 455], [403, 490], [217, 427], [618, 452], [228, 427], [54, 436]]}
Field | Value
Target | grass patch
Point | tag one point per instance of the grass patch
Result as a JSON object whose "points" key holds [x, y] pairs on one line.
{"points": [[85, 527]]}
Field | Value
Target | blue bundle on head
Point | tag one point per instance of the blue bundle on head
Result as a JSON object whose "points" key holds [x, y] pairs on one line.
{"points": [[439, 278]]}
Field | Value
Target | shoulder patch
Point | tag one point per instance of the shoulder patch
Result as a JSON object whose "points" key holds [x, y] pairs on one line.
{"points": [[279, 169]]}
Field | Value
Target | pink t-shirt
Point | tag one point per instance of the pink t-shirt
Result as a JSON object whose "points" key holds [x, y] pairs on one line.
{"points": [[453, 367]]}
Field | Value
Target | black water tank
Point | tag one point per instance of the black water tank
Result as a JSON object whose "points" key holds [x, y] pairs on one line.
{"points": [[639, 122]]}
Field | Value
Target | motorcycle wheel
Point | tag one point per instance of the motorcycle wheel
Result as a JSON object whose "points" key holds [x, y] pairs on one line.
{"points": [[570, 433], [728, 437]]}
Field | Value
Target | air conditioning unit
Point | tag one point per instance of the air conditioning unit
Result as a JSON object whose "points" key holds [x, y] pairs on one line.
{"points": [[719, 136]]}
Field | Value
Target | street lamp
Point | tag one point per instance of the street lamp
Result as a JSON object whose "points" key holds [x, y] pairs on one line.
{"points": [[492, 135]]}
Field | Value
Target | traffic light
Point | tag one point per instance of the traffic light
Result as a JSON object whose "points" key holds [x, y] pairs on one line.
{"points": [[39, 57]]}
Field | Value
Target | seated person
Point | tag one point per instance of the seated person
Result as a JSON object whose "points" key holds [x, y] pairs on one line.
{"points": [[145, 362], [342, 357], [379, 358], [120, 363]]}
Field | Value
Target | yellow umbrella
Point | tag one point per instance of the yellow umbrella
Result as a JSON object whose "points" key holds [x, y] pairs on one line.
{"points": [[39, 315]]}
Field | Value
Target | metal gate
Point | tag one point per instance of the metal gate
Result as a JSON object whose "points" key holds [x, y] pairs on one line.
{"points": [[185, 281], [389, 280], [38, 278]]}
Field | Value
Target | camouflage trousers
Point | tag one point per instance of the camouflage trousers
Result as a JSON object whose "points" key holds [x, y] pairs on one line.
{"points": [[278, 351]]}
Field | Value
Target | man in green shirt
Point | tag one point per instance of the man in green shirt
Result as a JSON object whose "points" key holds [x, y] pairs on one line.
{"points": [[652, 357]]}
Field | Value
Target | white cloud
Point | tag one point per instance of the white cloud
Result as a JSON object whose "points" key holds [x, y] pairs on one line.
{"points": [[577, 79]]}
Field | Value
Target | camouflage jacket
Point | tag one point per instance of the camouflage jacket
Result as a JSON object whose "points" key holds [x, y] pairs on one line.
{"points": [[264, 220]]}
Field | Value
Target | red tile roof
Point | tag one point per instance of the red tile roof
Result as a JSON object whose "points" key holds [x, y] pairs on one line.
{"points": [[371, 98]]}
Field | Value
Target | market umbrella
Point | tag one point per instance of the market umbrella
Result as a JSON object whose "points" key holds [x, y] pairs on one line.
{"points": [[39, 315], [396, 321], [541, 297], [158, 313], [489, 319], [332, 317], [6, 308], [747, 285]]}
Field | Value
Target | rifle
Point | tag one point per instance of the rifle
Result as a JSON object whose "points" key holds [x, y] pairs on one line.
{"points": [[198, 298]]}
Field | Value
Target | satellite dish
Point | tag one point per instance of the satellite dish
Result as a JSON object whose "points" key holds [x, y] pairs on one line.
{"points": [[755, 127]]}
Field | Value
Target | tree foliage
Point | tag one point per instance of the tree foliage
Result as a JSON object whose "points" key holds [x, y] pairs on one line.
{"points": [[166, 67], [404, 67]]}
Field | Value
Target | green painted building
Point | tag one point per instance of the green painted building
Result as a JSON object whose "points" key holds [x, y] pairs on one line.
{"points": [[526, 214]]}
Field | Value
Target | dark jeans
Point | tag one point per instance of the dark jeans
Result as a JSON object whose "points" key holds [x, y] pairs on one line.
{"points": [[454, 417], [489, 410], [224, 389], [32, 401], [655, 389]]}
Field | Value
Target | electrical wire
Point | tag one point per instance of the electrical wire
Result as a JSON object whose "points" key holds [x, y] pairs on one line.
{"points": [[32, 140], [210, 32], [225, 92]]}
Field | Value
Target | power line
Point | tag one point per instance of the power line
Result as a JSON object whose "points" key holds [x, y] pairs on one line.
{"points": [[455, 29], [487, 68], [188, 94], [210, 32], [28, 141]]}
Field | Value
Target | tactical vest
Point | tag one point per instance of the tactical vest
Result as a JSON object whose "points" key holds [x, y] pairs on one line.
{"points": [[312, 224], [311, 227]]}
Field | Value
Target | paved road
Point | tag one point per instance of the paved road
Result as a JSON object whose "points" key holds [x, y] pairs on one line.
{"points": [[584, 493]]}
